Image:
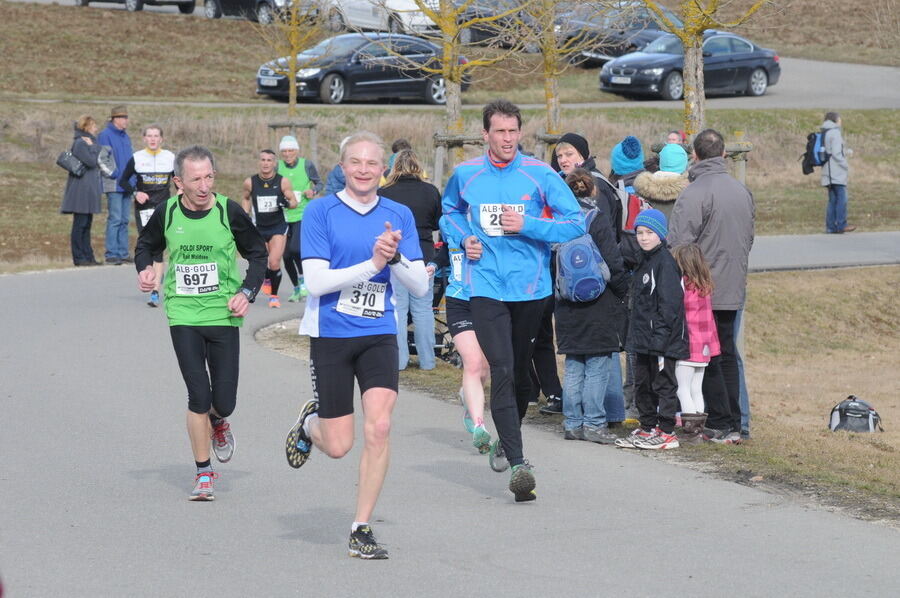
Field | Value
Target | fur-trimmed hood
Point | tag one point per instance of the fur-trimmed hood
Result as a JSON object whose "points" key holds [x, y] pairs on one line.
{"points": [[660, 186]]}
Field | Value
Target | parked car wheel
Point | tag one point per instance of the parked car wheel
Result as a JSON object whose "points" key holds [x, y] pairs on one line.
{"points": [[394, 24], [264, 14], [336, 21], [187, 8], [465, 36], [436, 91], [673, 86], [333, 89], [134, 5], [758, 82], [211, 9]]}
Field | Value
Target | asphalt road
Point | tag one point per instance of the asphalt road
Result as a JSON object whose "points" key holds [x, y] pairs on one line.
{"points": [[804, 84], [96, 470]]}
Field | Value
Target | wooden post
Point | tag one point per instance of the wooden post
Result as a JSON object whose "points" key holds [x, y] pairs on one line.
{"points": [[737, 150], [292, 126], [444, 142], [544, 141]]}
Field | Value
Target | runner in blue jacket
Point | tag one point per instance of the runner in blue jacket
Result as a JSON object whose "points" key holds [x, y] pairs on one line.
{"points": [[507, 208]]}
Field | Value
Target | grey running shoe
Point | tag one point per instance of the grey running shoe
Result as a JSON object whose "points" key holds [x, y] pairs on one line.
{"points": [[636, 434], [521, 482], [730, 438], [600, 435], [203, 490], [714, 435], [298, 444], [223, 441], [576, 434], [364, 546], [497, 457]]}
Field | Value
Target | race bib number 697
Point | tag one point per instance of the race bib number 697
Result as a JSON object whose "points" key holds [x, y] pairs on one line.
{"points": [[196, 279]]}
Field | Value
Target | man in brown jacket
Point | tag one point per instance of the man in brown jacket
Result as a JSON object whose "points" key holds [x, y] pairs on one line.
{"points": [[717, 213]]}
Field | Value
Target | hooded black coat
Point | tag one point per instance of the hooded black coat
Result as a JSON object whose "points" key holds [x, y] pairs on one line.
{"points": [[656, 326], [82, 194]]}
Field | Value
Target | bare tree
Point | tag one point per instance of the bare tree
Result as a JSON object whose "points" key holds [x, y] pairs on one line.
{"points": [[698, 16], [297, 27]]}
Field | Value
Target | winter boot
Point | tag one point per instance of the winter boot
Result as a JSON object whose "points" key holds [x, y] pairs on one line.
{"points": [[693, 428]]}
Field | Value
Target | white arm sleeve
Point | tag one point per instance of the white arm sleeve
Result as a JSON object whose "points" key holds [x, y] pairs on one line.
{"points": [[320, 279], [412, 275]]}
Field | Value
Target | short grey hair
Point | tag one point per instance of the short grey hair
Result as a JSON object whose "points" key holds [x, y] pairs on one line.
{"points": [[195, 153], [360, 137]]}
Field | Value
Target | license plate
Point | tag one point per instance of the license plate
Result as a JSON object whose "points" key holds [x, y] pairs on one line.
{"points": [[621, 80], [268, 81]]}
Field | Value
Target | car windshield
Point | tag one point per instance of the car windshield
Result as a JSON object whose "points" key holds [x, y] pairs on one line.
{"points": [[667, 44], [336, 46], [626, 16]]}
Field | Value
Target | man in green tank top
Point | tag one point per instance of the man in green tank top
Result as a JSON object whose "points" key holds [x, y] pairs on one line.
{"points": [[306, 183], [205, 299]]}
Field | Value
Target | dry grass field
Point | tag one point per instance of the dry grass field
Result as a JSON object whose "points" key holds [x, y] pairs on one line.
{"points": [[811, 339]]}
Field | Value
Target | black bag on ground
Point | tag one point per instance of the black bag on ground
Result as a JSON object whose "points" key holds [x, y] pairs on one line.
{"points": [[854, 415], [68, 162]]}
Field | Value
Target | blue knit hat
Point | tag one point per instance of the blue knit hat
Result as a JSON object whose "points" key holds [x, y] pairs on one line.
{"points": [[654, 220], [627, 156], [673, 158]]}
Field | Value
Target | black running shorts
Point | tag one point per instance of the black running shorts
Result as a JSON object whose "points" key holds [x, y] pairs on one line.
{"points": [[268, 232], [334, 362], [459, 317]]}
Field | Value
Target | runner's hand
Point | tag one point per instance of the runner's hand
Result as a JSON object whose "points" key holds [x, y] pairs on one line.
{"points": [[386, 246], [141, 197], [473, 247], [283, 202], [239, 304], [510, 220], [147, 279]]}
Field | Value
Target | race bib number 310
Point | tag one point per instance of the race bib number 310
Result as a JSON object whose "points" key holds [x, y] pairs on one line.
{"points": [[196, 279], [489, 217], [364, 300]]}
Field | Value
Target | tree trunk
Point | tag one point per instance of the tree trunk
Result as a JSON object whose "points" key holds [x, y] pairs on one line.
{"points": [[292, 85], [694, 98], [453, 123]]}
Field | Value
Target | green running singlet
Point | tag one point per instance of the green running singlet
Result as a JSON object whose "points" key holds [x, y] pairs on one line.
{"points": [[299, 182], [203, 273]]}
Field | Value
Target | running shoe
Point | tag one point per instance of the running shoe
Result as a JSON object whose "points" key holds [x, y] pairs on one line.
{"points": [[730, 438], [266, 287], [574, 434], [295, 296], [636, 434], [223, 441], [364, 546], [497, 457], [203, 490], [553, 406], [599, 434], [298, 444], [481, 440], [154, 299], [521, 482], [659, 441], [274, 302], [468, 422]]}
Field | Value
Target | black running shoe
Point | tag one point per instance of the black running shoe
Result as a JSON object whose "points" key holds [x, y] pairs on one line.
{"points": [[364, 546], [298, 444], [521, 482], [553, 406]]}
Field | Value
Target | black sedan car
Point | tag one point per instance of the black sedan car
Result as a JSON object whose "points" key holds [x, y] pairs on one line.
{"points": [[357, 66], [731, 64], [603, 33]]}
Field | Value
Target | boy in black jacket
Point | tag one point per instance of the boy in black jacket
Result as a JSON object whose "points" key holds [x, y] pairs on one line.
{"points": [[656, 336]]}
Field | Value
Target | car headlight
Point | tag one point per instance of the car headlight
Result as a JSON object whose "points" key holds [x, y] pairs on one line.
{"points": [[606, 66], [265, 71], [307, 73], [655, 72]]}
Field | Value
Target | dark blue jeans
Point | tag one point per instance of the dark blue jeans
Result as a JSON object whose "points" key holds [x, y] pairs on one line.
{"points": [[836, 213]]}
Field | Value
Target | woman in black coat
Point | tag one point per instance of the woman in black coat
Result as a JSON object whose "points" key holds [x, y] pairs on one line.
{"points": [[82, 195]]}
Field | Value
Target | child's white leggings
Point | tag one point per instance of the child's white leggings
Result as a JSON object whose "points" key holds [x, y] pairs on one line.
{"points": [[690, 387]]}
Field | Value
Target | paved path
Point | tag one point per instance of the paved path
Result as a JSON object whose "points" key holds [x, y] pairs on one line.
{"points": [[797, 252], [95, 471]]}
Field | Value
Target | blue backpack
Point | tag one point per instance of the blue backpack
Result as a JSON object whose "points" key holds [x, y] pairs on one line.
{"points": [[815, 154], [581, 273]]}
